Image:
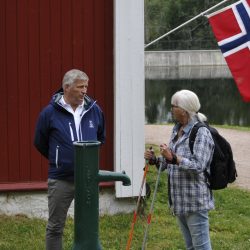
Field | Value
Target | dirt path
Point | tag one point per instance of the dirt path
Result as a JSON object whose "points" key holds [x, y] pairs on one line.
{"points": [[239, 140]]}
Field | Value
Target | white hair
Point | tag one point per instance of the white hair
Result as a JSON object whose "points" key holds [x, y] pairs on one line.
{"points": [[188, 101], [72, 75]]}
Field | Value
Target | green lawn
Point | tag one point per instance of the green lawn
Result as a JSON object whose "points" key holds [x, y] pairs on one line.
{"points": [[229, 225]]}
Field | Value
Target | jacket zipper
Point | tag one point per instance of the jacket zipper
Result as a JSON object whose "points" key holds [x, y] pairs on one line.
{"points": [[57, 149], [80, 132], [71, 132]]}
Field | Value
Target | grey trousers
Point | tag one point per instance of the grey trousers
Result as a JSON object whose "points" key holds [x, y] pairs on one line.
{"points": [[60, 196]]}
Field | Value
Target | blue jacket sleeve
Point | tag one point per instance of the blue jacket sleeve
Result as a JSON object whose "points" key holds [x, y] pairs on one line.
{"points": [[101, 133], [41, 139]]}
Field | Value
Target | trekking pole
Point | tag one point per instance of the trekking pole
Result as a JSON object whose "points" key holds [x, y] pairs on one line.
{"points": [[152, 206], [137, 206]]}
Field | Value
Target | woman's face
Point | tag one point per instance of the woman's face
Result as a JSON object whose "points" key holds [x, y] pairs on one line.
{"points": [[178, 114]]}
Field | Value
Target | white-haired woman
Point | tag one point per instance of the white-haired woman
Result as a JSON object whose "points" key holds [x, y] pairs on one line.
{"points": [[189, 195]]}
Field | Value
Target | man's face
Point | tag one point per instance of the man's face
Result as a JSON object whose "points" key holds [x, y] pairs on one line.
{"points": [[75, 92]]}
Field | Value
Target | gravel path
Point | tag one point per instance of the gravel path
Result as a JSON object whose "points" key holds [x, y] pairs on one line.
{"points": [[239, 140]]}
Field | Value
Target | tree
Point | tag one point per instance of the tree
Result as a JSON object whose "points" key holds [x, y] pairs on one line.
{"points": [[162, 16]]}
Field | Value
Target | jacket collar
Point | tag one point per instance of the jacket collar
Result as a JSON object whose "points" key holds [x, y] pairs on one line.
{"points": [[88, 102]]}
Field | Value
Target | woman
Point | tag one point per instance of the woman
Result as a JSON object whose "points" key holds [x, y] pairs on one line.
{"points": [[189, 195]]}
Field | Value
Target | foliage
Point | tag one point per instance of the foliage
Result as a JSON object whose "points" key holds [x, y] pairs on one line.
{"points": [[161, 16]]}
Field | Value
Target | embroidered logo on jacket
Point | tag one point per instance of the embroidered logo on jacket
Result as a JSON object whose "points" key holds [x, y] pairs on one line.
{"points": [[91, 124]]}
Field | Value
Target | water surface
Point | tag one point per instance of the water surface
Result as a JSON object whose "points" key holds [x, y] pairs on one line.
{"points": [[217, 91]]}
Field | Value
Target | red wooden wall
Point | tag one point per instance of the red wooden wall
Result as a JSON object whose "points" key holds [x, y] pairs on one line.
{"points": [[39, 41]]}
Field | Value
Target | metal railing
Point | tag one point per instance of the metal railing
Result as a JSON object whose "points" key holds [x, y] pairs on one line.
{"points": [[184, 45]]}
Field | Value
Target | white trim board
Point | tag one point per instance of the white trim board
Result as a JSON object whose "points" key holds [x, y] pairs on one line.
{"points": [[129, 93]]}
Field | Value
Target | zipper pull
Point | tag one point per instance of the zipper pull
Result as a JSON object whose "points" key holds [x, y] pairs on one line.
{"points": [[57, 151], [71, 132]]}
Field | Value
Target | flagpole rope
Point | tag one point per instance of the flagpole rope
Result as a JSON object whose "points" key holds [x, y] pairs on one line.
{"points": [[192, 19]]}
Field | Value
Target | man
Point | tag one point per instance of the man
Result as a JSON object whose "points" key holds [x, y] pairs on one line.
{"points": [[70, 116]]}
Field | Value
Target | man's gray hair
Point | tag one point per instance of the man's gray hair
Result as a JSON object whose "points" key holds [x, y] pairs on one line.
{"points": [[72, 75], [188, 101]]}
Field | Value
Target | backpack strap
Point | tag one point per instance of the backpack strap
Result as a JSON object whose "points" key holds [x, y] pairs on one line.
{"points": [[193, 133], [192, 137]]}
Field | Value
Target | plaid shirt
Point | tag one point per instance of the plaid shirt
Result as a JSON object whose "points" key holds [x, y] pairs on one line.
{"points": [[188, 189]]}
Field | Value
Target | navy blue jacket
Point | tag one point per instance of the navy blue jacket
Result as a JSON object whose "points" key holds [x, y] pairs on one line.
{"points": [[56, 132]]}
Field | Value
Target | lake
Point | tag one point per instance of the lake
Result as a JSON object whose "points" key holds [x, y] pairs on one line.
{"points": [[219, 97]]}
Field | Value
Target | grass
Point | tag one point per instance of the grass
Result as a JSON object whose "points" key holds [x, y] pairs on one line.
{"points": [[240, 128], [229, 225]]}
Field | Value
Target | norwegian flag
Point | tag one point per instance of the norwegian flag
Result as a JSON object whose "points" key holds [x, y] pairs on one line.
{"points": [[231, 27]]}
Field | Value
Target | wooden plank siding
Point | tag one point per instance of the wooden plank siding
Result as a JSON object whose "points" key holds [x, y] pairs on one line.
{"points": [[39, 41]]}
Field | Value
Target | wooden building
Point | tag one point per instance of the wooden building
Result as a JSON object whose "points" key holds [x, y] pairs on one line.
{"points": [[39, 41]]}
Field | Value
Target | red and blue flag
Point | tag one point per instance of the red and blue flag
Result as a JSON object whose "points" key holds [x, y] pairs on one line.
{"points": [[231, 27]]}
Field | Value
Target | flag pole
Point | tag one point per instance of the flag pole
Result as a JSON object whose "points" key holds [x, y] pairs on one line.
{"points": [[189, 21]]}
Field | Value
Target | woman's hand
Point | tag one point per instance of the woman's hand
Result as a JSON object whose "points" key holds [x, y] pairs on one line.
{"points": [[166, 152], [149, 154]]}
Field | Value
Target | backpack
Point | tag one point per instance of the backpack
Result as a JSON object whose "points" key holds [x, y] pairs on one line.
{"points": [[222, 168]]}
